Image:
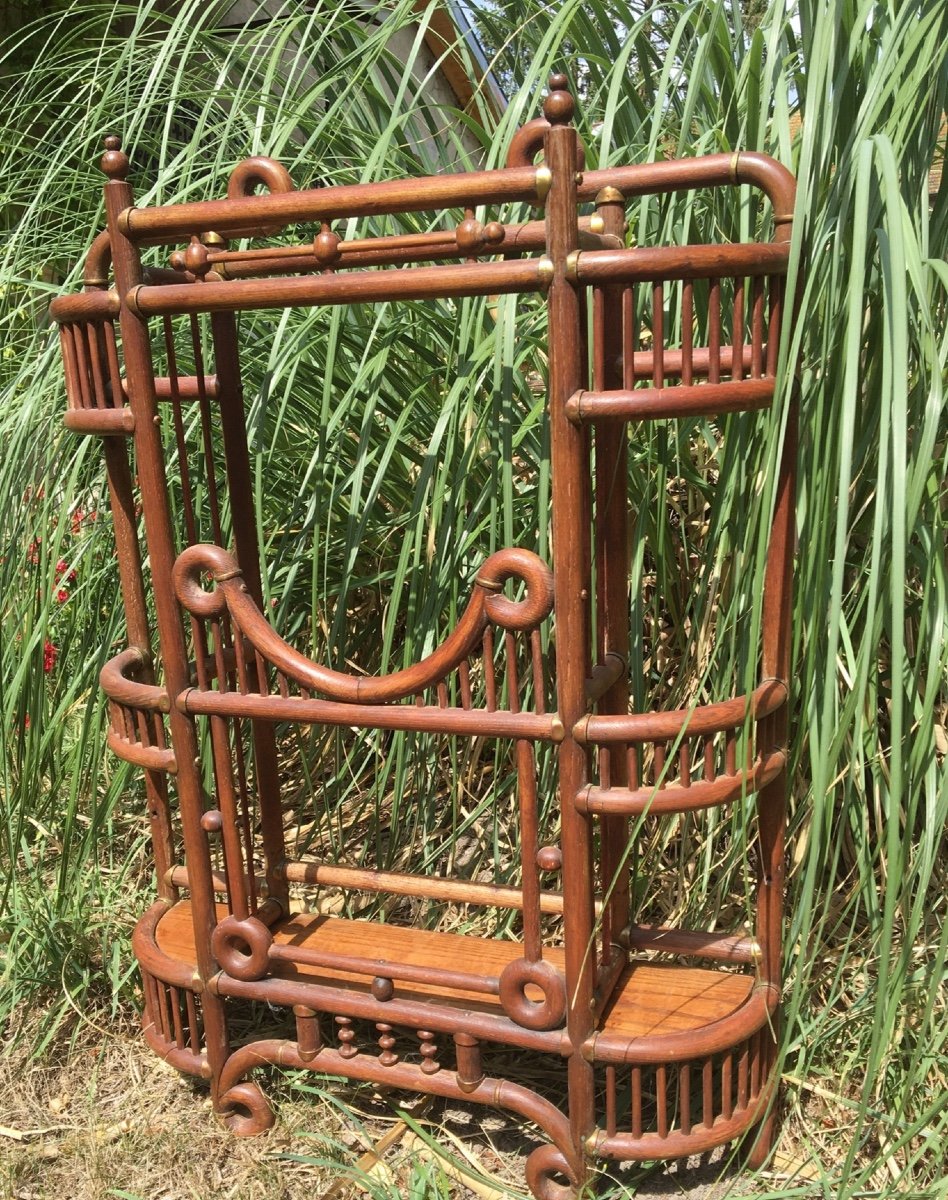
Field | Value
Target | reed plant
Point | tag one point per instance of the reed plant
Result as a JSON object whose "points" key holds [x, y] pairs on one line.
{"points": [[412, 443]]}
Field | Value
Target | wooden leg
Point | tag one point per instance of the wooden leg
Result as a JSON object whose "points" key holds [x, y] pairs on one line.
{"points": [[759, 1141]]}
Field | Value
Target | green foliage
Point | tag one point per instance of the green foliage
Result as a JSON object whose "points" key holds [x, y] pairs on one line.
{"points": [[397, 438]]}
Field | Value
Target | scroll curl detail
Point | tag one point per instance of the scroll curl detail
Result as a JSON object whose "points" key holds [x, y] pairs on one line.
{"points": [[245, 1111], [258, 170], [543, 1166], [515, 563], [486, 604], [186, 574], [520, 974]]}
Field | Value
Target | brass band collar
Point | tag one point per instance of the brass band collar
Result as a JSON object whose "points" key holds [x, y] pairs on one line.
{"points": [[542, 183], [124, 221], [572, 266], [131, 299], [609, 195], [545, 270]]}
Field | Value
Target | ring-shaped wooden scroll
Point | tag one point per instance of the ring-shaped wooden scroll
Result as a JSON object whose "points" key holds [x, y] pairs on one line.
{"points": [[520, 974], [186, 574], [242, 947], [245, 1111], [543, 1165], [515, 563], [246, 177], [252, 172]]}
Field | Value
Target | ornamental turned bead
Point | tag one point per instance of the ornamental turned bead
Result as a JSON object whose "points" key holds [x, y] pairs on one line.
{"points": [[429, 1052], [469, 235], [326, 247], [346, 1035], [197, 259], [386, 1042]]}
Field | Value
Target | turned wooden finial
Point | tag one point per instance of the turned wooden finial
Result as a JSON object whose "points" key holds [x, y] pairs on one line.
{"points": [[559, 105], [114, 161]]}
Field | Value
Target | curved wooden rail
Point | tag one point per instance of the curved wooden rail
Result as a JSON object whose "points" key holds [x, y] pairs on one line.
{"points": [[602, 730], [486, 605], [705, 793], [723, 1034], [115, 682]]}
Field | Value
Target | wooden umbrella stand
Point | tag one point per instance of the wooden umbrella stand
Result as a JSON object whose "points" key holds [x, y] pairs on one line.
{"points": [[667, 1036]]}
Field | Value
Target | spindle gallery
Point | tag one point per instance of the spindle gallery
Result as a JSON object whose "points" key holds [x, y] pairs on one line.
{"points": [[666, 1036]]}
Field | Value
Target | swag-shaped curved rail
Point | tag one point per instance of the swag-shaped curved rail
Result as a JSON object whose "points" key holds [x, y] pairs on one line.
{"points": [[230, 595]]}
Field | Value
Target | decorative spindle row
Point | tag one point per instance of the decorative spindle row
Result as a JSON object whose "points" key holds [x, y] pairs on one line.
{"points": [[659, 1101]]}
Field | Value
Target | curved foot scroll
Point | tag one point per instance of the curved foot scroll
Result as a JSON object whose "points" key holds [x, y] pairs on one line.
{"points": [[245, 1110], [549, 1175]]}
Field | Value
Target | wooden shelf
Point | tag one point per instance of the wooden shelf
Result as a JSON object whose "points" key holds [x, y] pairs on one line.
{"points": [[650, 999]]}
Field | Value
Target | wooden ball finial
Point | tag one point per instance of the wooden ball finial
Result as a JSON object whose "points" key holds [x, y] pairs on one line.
{"points": [[559, 106], [114, 161]]}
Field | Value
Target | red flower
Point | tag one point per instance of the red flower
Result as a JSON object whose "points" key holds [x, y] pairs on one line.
{"points": [[33, 554], [62, 595], [49, 656], [26, 721]]}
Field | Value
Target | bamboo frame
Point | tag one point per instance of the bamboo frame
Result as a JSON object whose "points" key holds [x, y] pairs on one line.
{"points": [[224, 926]]}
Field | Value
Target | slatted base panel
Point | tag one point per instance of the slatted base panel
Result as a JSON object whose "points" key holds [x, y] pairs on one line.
{"points": [[650, 999]]}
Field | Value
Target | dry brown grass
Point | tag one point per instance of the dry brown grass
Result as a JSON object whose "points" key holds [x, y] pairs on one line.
{"points": [[100, 1118]]}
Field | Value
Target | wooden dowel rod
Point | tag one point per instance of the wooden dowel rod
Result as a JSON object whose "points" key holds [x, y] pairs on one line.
{"points": [[424, 887], [705, 793], [716, 946]]}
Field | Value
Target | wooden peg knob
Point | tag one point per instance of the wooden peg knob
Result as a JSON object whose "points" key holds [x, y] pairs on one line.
{"points": [[212, 821], [549, 858]]}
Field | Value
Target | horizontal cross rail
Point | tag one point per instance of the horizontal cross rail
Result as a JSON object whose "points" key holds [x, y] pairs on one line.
{"points": [[105, 422], [152, 758], [416, 283], [175, 221], [708, 170], [684, 400], [720, 947], [642, 264], [383, 968], [421, 718]]}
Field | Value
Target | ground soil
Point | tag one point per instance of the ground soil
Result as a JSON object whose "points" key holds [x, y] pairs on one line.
{"points": [[99, 1116]]}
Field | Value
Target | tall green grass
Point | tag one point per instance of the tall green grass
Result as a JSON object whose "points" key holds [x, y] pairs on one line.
{"points": [[415, 443]]}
